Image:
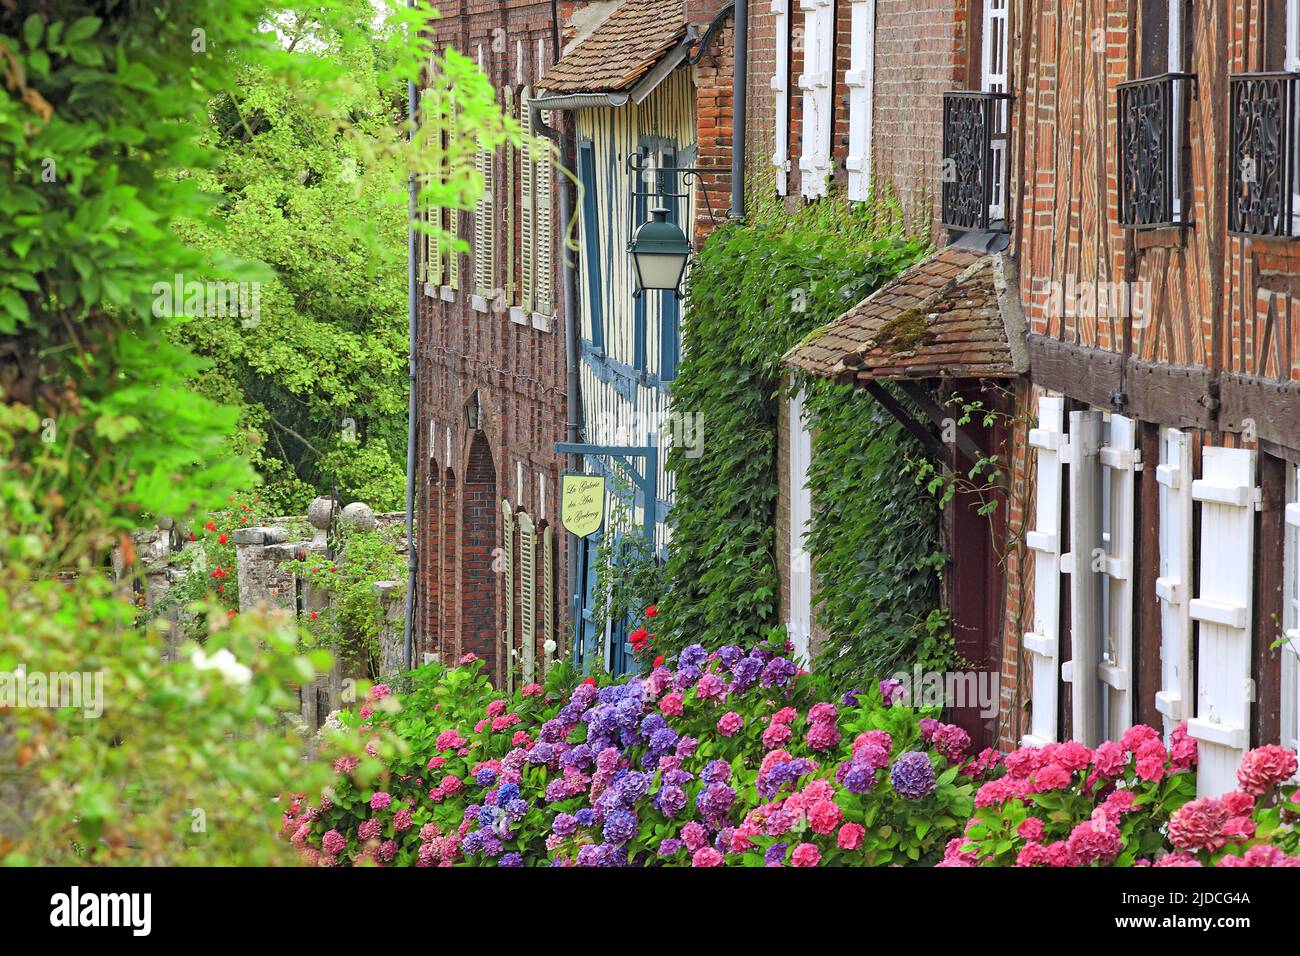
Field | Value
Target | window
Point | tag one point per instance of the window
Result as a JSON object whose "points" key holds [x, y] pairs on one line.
{"points": [[535, 214], [858, 78], [993, 79], [591, 242], [485, 286], [815, 81]]}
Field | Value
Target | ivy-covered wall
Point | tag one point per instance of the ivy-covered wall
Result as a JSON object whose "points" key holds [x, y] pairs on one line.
{"points": [[756, 289]]}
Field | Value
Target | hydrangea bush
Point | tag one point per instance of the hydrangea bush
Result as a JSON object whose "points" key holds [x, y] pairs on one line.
{"points": [[737, 758], [728, 759], [1130, 803]]}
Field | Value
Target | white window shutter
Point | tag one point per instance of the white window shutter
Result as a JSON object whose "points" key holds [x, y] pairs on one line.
{"points": [[1227, 493], [779, 84], [1291, 616], [1121, 460], [543, 221], [1043, 642], [485, 227], [859, 78], [508, 580], [1083, 456], [815, 81], [1173, 585], [800, 625], [528, 592], [527, 237]]}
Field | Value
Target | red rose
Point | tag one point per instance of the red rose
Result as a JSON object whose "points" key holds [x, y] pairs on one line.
{"points": [[639, 635], [659, 661], [222, 538], [589, 680], [652, 611], [210, 526], [314, 615]]}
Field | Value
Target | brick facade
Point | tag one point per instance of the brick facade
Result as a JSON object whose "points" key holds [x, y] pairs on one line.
{"points": [[517, 370]]}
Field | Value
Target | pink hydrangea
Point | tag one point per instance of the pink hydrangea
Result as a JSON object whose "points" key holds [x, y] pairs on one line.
{"points": [[1262, 855], [1265, 767], [824, 816], [729, 724], [955, 856], [1071, 755], [823, 735], [821, 712], [369, 829], [709, 686], [951, 741], [1110, 759], [449, 739], [1177, 859], [1096, 840], [850, 836], [402, 819], [1151, 756], [435, 762], [786, 715], [345, 765], [1182, 748], [379, 800], [451, 784], [806, 854], [531, 690], [1198, 824], [333, 842], [694, 836], [671, 705], [777, 735], [706, 856], [1031, 828], [496, 708], [1051, 777], [1136, 736]]}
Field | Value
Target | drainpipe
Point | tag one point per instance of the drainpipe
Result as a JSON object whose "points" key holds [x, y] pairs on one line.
{"points": [[412, 554], [740, 78]]}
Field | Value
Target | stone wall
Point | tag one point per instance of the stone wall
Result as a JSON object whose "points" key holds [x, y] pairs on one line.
{"points": [[267, 581]]}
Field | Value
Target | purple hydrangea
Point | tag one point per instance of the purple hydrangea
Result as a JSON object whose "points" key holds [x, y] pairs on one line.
{"points": [[775, 854], [564, 824], [778, 672], [585, 817], [715, 799], [620, 826], [913, 775], [670, 846], [856, 776], [512, 859], [486, 777], [670, 800], [508, 792], [715, 771], [692, 655]]}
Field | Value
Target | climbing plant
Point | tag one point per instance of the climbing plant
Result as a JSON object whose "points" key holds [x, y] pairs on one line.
{"points": [[873, 540], [756, 289]]}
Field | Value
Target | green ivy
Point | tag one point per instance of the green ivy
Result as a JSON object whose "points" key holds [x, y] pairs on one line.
{"points": [[756, 290], [874, 541]]}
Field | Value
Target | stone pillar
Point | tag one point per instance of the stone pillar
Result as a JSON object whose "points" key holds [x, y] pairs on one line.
{"points": [[262, 581], [392, 635]]}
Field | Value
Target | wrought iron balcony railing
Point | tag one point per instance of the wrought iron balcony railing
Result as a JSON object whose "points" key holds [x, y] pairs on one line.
{"points": [[1153, 181], [975, 159], [1262, 144]]}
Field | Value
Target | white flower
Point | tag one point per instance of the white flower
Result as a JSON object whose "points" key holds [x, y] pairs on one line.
{"points": [[223, 662], [549, 647]]}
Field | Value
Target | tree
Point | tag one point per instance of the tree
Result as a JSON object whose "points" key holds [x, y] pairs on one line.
{"points": [[103, 158]]}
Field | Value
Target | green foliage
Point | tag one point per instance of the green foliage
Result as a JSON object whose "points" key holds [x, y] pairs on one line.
{"points": [[180, 767], [320, 374], [874, 541], [755, 291], [105, 151], [351, 624]]}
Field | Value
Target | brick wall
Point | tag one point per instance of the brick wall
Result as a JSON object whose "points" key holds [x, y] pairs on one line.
{"points": [[713, 74], [920, 51], [517, 370]]}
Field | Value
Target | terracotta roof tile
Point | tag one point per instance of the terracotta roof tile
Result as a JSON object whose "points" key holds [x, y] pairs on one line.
{"points": [[620, 51], [938, 319]]}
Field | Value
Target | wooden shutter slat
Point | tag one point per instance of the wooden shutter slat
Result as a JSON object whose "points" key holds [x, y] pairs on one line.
{"points": [[859, 80], [1043, 642], [1173, 584], [1223, 606], [508, 582], [1120, 457], [527, 238], [1085, 578], [527, 593]]}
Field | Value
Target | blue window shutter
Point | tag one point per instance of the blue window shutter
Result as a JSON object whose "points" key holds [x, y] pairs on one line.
{"points": [[590, 234], [670, 331], [640, 213]]}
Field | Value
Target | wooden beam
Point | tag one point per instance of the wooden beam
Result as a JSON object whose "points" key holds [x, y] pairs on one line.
{"points": [[1263, 408], [932, 445], [940, 416], [1176, 396], [1092, 376]]}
